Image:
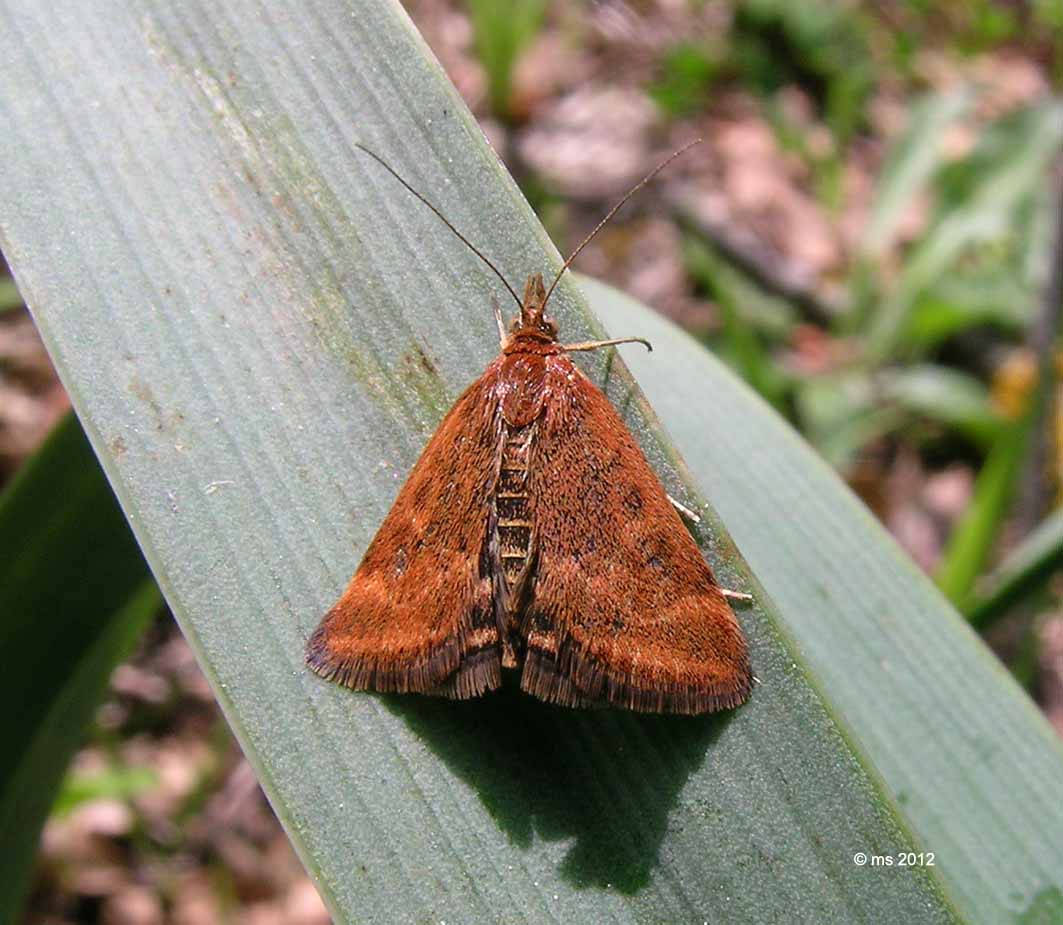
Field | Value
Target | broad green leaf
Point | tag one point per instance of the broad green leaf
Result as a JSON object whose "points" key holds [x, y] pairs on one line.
{"points": [[74, 595], [259, 329], [972, 762]]}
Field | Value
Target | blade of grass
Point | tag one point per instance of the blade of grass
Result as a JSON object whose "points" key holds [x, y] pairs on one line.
{"points": [[502, 29], [758, 309], [972, 539], [74, 594], [911, 162], [1023, 573], [1005, 174], [750, 357], [945, 395]]}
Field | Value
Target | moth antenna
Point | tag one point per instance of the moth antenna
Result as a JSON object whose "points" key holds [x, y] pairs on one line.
{"points": [[595, 344], [605, 221], [464, 240]]}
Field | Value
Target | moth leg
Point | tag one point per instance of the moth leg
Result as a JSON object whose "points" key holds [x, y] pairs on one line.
{"points": [[499, 321], [684, 511], [691, 515], [585, 345]]}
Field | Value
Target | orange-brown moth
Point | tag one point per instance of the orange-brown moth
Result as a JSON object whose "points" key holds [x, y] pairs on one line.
{"points": [[532, 534]]}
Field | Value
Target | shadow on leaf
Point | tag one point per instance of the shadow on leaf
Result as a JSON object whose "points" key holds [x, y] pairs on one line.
{"points": [[562, 774]]}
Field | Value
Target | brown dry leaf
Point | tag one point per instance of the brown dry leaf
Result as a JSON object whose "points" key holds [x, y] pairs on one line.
{"points": [[448, 32], [593, 143], [642, 257], [195, 901], [303, 906], [947, 494], [922, 506], [760, 187], [132, 905], [550, 65]]}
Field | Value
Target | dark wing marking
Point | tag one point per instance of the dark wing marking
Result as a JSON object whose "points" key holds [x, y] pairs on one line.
{"points": [[417, 615], [624, 607]]}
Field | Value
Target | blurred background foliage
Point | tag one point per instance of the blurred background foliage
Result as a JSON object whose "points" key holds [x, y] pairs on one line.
{"points": [[870, 235]]}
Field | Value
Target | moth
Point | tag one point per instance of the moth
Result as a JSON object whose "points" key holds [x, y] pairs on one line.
{"points": [[533, 535]]}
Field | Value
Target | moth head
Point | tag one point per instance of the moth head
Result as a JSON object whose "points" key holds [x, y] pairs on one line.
{"points": [[532, 320]]}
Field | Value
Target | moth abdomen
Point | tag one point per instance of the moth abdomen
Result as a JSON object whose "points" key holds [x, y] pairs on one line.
{"points": [[512, 510]]}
